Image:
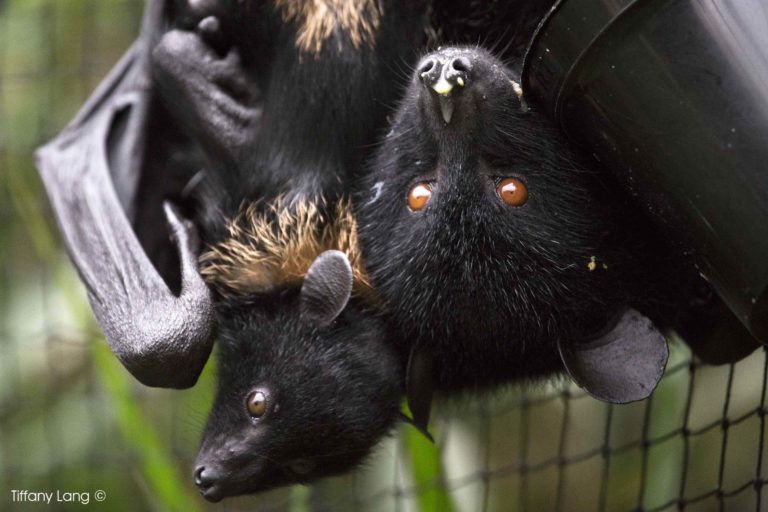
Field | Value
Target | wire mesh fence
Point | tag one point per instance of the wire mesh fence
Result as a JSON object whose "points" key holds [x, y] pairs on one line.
{"points": [[72, 420]]}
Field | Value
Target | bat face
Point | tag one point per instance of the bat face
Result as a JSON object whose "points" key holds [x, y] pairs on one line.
{"points": [[308, 382], [296, 401], [488, 241]]}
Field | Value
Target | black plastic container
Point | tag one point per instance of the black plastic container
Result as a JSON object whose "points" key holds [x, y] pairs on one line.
{"points": [[672, 96]]}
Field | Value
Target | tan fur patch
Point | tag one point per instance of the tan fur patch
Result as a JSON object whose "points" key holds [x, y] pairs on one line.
{"points": [[318, 19], [274, 246]]}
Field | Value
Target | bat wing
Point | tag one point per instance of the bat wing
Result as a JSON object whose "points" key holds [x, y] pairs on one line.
{"points": [[92, 173], [623, 365]]}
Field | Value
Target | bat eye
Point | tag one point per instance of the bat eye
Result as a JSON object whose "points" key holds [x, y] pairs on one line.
{"points": [[512, 191], [419, 196], [256, 404]]}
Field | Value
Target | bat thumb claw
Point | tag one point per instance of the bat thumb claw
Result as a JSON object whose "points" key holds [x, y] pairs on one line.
{"points": [[183, 232], [185, 236]]}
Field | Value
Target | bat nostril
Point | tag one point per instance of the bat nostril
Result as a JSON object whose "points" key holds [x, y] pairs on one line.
{"points": [[429, 71], [205, 477], [461, 65], [427, 66], [199, 476]]}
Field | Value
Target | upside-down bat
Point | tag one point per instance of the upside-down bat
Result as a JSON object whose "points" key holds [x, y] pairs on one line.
{"points": [[253, 117], [501, 254], [308, 383]]}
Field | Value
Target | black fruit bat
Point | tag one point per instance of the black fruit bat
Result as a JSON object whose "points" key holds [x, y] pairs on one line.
{"points": [[501, 254], [253, 117], [308, 382]]}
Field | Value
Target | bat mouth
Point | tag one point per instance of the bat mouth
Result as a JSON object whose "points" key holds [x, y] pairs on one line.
{"points": [[208, 479], [213, 494], [234, 476]]}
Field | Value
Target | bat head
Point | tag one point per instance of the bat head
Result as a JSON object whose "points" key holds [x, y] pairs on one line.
{"points": [[307, 386], [486, 238]]}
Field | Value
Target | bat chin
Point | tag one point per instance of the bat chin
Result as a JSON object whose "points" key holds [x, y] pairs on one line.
{"points": [[218, 492], [213, 494]]}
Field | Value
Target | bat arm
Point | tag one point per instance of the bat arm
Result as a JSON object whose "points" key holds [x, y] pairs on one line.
{"points": [[162, 339]]}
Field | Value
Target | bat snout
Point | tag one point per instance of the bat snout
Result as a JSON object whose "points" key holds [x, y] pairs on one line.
{"points": [[443, 74], [459, 86], [208, 478]]}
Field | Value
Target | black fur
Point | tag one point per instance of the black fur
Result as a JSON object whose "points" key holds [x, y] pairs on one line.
{"points": [[333, 392], [276, 122], [503, 26], [488, 288]]}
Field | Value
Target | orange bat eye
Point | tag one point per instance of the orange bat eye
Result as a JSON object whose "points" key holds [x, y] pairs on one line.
{"points": [[256, 404], [512, 191], [419, 196]]}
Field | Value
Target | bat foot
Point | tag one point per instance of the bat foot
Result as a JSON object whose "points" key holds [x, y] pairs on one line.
{"points": [[210, 95], [210, 31]]}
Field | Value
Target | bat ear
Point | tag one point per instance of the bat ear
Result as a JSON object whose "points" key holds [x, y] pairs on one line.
{"points": [[420, 388], [327, 288], [623, 365]]}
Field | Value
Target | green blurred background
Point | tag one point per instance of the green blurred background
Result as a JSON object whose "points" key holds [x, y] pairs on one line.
{"points": [[72, 419]]}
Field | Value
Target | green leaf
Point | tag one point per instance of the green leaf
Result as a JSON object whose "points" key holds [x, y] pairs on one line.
{"points": [[426, 470], [155, 460]]}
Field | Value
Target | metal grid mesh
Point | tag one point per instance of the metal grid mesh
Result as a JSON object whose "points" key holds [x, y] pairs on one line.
{"points": [[72, 420]]}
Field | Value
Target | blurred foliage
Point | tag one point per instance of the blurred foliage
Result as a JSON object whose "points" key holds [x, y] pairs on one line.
{"points": [[72, 419]]}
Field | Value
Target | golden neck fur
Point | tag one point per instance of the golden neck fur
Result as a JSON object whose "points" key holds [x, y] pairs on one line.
{"points": [[271, 246], [317, 20]]}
